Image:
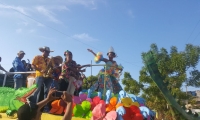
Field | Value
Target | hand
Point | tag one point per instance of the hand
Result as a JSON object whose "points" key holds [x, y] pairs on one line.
{"points": [[42, 71], [88, 65], [61, 77], [83, 70], [50, 96], [89, 50], [66, 97]]}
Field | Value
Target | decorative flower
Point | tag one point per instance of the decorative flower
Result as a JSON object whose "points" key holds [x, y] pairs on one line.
{"points": [[80, 98], [113, 105], [99, 113], [127, 102], [95, 101], [83, 110], [132, 113]]}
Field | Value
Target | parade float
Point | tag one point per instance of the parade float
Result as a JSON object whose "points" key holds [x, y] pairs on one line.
{"points": [[104, 105]]}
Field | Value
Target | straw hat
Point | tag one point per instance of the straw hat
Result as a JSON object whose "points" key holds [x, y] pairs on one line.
{"points": [[59, 58]]}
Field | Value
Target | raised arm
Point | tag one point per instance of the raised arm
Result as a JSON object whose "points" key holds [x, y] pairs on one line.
{"points": [[68, 100], [91, 52], [104, 59], [1, 68]]}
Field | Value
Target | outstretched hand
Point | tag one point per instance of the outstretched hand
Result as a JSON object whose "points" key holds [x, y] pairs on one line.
{"points": [[66, 97], [89, 50], [50, 94]]}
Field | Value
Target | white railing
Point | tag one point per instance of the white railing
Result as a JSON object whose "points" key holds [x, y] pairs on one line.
{"points": [[10, 73]]}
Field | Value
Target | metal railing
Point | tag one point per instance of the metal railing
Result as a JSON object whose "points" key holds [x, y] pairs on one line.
{"points": [[10, 73]]}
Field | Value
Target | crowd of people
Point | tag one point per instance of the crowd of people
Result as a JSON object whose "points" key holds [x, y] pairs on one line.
{"points": [[54, 74]]}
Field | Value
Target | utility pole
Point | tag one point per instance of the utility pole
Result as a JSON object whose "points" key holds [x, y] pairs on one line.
{"points": [[186, 95], [91, 67]]}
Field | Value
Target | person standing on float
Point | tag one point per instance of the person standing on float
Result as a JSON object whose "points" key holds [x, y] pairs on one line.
{"points": [[111, 73]]}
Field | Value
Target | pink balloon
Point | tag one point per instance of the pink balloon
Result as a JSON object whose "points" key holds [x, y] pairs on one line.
{"points": [[83, 97], [76, 100], [89, 99]]}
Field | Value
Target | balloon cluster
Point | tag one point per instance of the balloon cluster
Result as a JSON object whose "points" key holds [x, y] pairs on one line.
{"points": [[122, 106], [98, 58]]}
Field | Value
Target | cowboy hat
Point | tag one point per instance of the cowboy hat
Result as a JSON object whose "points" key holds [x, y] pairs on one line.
{"points": [[59, 58], [42, 49]]}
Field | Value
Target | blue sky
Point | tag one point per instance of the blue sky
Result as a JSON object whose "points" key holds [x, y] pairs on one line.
{"points": [[129, 26]]}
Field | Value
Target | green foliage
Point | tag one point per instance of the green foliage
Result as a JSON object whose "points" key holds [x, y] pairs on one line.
{"points": [[89, 81], [173, 66], [131, 85]]}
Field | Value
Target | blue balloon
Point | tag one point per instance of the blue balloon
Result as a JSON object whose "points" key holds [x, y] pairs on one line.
{"points": [[108, 96], [120, 112], [122, 94], [144, 109]]}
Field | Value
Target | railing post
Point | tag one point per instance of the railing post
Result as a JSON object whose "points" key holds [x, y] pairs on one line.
{"points": [[4, 80]]}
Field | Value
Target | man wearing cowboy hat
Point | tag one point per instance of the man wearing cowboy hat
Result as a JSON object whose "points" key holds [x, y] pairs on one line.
{"points": [[18, 66], [40, 63]]}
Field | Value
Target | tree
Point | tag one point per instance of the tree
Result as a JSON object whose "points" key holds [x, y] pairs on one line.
{"points": [[173, 66], [131, 85], [89, 81]]}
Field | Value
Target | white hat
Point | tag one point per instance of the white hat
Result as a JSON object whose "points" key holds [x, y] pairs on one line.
{"points": [[111, 50]]}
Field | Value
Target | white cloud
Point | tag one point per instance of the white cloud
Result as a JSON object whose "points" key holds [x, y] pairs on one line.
{"points": [[84, 37], [59, 7], [130, 13], [19, 30], [31, 30], [40, 25], [47, 13], [87, 3], [16, 8]]}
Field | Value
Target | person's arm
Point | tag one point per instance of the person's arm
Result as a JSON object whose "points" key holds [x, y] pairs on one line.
{"points": [[1, 68], [104, 59], [34, 63], [68, 113], [91, 52], [35, 68], [50, 97], [42, 103], [68, 100], [74, 68]]}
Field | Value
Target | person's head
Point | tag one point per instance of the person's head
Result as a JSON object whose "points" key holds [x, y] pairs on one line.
{"points": [[27, 112], [21, 54], [111, 53], [68, 55], [58, 60], [45, 51]]}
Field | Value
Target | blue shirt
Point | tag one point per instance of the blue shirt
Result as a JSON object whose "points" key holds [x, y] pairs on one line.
{"points": [[18, 66]]}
